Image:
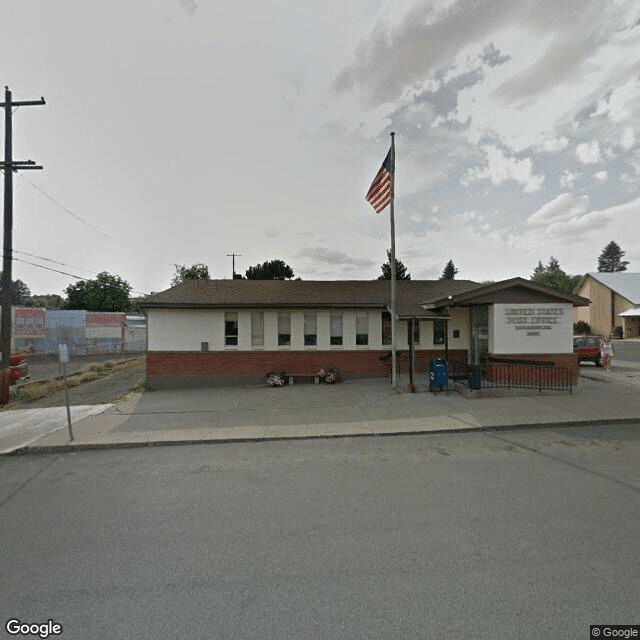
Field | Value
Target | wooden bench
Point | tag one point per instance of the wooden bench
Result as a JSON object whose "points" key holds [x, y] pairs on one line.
{"points": [[315, 376]]}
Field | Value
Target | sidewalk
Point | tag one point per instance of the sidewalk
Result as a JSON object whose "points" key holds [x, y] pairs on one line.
{"points": [[352, 408]]}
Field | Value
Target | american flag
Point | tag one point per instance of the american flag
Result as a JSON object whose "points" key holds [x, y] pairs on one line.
{"points": [[379, 194]]}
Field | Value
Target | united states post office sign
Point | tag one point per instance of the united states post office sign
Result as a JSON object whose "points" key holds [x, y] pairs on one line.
{"points": [[532, 328]]}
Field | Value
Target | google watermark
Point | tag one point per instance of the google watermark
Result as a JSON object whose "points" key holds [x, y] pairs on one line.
{"points": [[15, 627]]}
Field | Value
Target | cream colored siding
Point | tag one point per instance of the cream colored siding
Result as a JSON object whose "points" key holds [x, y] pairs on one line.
{"points": [[271, 330], [599, 313], [375, 331], [459, 319], [583, 313], [349, 330], [186, 329], [323, 329], [244, 330]]}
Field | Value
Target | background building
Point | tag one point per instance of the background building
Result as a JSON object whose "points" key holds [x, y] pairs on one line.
{"points": [[615, 301]]}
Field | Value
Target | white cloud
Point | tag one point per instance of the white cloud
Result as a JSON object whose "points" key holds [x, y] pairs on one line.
{"points": [[325, 255], [588, 152], [552, 144], [568, 178], [561, 208], [628, 138], [565, 218], [601, 177], [622, 103], [500, 168]]}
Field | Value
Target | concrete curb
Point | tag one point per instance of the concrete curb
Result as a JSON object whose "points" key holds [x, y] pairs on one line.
{"points": [[89, 446]]}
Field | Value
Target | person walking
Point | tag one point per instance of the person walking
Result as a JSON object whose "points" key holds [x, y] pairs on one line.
{"points": [[606, 350]]}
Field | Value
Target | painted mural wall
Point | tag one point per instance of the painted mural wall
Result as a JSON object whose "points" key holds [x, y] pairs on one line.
{"points": [[84, 332]]}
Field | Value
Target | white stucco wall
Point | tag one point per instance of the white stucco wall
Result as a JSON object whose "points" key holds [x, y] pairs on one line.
{"points": [[186, 329], [531, 328]]}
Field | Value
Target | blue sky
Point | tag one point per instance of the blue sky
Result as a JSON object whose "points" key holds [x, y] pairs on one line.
{"points": [[186, 130]]}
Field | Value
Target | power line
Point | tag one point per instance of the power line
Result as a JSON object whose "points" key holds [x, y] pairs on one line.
{"points": [[73, 275], [77, 217], [71, 266], [32, 255], [64, 264]]}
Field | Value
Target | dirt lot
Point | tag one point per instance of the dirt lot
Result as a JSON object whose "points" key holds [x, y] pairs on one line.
{"points": [[104, 390], [47, 367]]}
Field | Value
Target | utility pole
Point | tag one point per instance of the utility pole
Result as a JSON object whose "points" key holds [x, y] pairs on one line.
{"points": [[233, 257], [9, 166]]}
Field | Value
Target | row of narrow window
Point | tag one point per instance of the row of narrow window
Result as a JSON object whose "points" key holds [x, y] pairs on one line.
{"points": [[311, 329]]}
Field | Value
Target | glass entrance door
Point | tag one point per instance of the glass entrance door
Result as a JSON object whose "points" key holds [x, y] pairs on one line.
{"points": [[479, 332]]}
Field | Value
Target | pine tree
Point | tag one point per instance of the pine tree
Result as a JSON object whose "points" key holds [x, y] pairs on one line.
{"points": [[539, 269], [401, 270], [449, 272], [554, 276], [610, 260], [553, 264]]}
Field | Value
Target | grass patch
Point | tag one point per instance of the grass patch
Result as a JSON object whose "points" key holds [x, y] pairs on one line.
{"points": [[89, 376], [30, 393]]}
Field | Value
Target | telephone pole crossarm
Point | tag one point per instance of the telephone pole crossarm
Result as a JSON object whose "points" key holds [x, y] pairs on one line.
{"points": [[23, 103], [20, 165]]}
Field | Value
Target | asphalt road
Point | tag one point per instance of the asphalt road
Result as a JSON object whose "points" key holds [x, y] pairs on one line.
{"points": [[627, 351], [506, 534]]}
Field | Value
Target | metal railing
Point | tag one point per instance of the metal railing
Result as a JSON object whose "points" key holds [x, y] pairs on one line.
{"points": [[512, 374]]}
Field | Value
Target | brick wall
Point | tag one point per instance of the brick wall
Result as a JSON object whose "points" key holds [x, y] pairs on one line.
{"points": [[567, 361], [193, 368]]}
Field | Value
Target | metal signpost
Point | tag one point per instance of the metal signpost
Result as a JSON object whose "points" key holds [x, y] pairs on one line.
{"points": [[63, 351]]}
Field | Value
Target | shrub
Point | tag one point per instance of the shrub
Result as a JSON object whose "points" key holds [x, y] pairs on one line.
{"points": [[617, 332], [581, 328], [89, 376], [31, 392]]}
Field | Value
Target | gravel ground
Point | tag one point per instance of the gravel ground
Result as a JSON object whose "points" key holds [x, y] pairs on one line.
{"points": [[99, 391]]}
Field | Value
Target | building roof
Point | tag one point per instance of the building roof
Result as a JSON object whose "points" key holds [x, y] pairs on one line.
{"points": [[484, 294], [307, 294], [630, 313], [622, 282]]}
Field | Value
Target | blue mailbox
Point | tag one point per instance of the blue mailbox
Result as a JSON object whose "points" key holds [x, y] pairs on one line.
{"points": [[438, 375]]}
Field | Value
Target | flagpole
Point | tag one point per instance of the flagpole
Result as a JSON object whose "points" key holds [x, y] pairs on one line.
{"points": [[394, 380]]}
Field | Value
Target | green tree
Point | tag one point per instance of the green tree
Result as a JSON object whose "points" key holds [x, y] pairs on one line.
{"points": [[19, 291], [270, 270], [401, 270], [610, 260], [449, 272], [106, 293], [554, 276], [540, 268], [45, 300], [198, 271]]}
